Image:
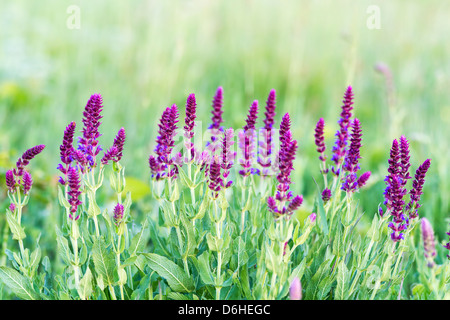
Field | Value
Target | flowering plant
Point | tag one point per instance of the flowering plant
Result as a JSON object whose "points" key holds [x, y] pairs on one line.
{"points": [[225, 221]]}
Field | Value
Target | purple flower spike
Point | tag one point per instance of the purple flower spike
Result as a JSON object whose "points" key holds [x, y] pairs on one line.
{"points": [[404, 160], [352, 157], [217, 111], [67, 152], [295, 204], [270, 110], [400, 222], [191, 105], [326, 195], [160, 165], [285, 126], [287, 156], [118, 214], [228, 156], [27, 156], [416, 191], [10, 181], [351, 160], [288, 148], [272, 205], [27, 182], [266, 144], [88, 143], [215, 180], [429, 244], [393, 171], [115, 152], [247, 140], [339, 149], [66, 148], [74, 191], [110, 154], [362, 180], [319, 139], [252, 116]]}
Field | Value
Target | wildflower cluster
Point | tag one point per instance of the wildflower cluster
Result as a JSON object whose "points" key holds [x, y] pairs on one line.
{"points": [[223, 220]]}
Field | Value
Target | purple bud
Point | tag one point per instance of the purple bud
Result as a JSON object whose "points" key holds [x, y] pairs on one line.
{"points": [[10, 181], [27, 182], [228, 154], [66, 148], [115, 152], [362, 180], [12, 207], [217, 111], [252, 116], [312, 217], [191, 105], [160, 165], [326, 195], [74, 190], [189, 121], [319, 139], [339, 149], [215, 180], [351, 160], [118, 213], [404, 160], [295, 204], [270, 110], [88, 143], [429, 244], [295, 289], [416, 191], [26, 157], [265, 147]]}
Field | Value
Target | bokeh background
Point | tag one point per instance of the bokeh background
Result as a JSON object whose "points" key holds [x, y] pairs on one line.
{"points": [[143, 56]]}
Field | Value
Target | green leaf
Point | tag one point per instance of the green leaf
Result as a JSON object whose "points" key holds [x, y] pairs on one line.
{"points": [[139, 241], [175, 276], [35, 259], [338, 243], [104, 261], [177, 295], [63, 247], [240, 256], [62, 199], [16, 229], [204, 269], [298, 271], [85, 287], [18, 284], [314, 286], [93, 209], [214, 243], [202, 209], [189, 235], [185, 180], [342, 282]]}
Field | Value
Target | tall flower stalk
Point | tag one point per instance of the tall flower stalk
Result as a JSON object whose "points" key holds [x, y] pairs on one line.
{"points": [[19, 183]]}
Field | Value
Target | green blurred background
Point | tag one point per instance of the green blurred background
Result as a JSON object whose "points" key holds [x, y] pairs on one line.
{"points": [[143, 56]]}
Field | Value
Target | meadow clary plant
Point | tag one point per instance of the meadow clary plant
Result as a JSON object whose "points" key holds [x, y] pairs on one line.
{"points": [[223, 220]]}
